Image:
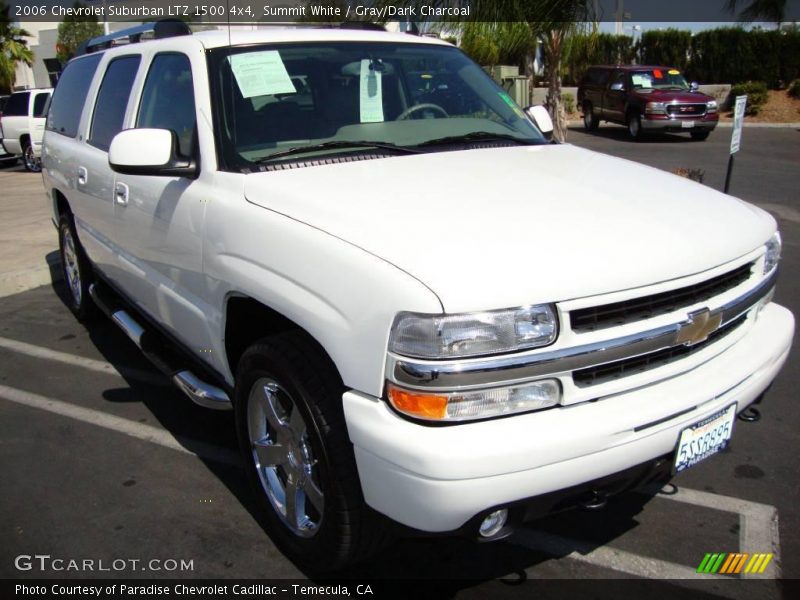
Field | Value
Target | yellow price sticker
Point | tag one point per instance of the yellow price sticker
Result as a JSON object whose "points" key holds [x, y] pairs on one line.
{"points": [[674, 72]]}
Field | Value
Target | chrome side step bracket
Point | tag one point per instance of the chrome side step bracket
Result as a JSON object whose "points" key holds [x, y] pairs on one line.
{"points": [[199, 391]]}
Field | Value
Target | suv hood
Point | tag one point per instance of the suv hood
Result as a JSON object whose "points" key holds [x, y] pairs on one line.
{"points": [[503, 227]]}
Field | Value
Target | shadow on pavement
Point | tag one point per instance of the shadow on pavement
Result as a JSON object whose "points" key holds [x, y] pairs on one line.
{"points": [[621, 134]]}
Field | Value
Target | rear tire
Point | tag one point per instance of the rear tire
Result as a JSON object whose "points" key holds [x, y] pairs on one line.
{"points": [[590, 120], [77, 270], [634, 122], [298, 456], [700, 135], [32, 164]]}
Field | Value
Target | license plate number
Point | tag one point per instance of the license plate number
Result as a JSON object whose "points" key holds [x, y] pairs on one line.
{"points": [[687, 124], [704, 438]]}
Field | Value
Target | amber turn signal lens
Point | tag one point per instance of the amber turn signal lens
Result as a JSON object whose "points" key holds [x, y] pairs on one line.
{"points": [[417, 404]]}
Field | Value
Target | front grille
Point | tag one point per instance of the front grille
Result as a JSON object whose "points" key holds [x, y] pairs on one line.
{"points": [[639, 364], [647, 307], [686, 110]]}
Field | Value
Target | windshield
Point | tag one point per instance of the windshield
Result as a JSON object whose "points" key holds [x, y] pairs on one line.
{"points": [[291, 102], [658, 79]]}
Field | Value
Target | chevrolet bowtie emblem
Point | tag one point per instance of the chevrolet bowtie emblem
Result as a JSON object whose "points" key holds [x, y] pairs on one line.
{"points": [[700, 325]]}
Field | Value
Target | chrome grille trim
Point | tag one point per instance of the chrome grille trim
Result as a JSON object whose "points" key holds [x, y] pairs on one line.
{"points": [[509, 369]]}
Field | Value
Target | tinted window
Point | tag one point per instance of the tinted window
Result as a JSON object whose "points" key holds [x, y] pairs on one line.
{"points": [[168, 99], [71, 91], [40, 103], [112, 100], [17, 105]]}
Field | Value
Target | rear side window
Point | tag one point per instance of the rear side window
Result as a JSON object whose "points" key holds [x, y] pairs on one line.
{"points": [[17, 105], [112, 100], [168, 99], [40, 103], [71, 91]]}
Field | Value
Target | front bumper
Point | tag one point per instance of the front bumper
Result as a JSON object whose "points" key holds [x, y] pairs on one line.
{"points": [[436, 479], [658, 123]]}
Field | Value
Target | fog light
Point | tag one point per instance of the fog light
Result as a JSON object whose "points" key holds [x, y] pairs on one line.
{"points": [[493, 523]]}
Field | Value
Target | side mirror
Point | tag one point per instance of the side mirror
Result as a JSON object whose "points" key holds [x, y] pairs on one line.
{"points": [[617, 86], [541, 118], [694, 86], [149, 152]]}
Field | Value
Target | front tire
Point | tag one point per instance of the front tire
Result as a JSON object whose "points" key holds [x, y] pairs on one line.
{"points": [[298, 457], [634, 123], [32, 164], [77, 270]]}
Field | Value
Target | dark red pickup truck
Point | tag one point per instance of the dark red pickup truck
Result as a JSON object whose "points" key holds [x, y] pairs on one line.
{"points": [[645, 99]]}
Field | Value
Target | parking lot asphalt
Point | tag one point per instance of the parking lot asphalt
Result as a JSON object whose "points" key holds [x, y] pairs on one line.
{"points": [[104, 460]]}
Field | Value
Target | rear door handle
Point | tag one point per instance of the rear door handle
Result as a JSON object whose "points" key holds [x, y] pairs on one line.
{"points": [[83, 175], [121, 194]]}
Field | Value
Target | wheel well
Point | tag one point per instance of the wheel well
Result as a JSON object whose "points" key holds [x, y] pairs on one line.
{"points": [[24, 139], [60, 203], [247, 321]]}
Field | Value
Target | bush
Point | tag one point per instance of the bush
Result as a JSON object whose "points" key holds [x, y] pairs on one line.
{"points": [[756, 92], [569, 102], [581, 51], [670, 48], [794, 89]]}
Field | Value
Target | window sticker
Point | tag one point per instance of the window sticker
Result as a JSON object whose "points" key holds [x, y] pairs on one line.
{"points": [[261, 74], [370, 93], [658, 74], [507, 99], [674, 72], [642, 81]]}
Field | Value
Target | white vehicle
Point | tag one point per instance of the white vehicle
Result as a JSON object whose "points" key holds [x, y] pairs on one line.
{"points": [[418, 308], [22, 125]]}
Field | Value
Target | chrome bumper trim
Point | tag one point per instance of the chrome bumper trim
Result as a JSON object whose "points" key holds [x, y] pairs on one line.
{"points": [[509, 369]]}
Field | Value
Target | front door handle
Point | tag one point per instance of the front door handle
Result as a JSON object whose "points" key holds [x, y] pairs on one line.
{"points": [[83, 175], [121, 194]]}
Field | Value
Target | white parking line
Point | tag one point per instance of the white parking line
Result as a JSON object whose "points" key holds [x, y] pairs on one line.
{"points": [[140, 431], [758, 523], [91, 364]]}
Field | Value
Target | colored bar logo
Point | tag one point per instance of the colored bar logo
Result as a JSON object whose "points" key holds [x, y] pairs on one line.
{"points": [[734, 563]]}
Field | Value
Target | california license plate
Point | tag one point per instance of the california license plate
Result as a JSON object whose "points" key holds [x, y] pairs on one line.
{"points": [[704, 438], [687, 124]]}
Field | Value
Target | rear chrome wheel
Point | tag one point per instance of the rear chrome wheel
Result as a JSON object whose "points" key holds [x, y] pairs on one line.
{"points": [[77, 270], [283, 457], [32, 163]]}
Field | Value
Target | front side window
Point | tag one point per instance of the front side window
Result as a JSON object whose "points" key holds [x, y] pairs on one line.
{"points": [[40, 104], [112, 100], [70, 94], [168, 99], [316, 98]]}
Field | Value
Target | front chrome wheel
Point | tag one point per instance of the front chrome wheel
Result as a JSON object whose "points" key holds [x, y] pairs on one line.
{"points": [[72, 270], [283, 457]]}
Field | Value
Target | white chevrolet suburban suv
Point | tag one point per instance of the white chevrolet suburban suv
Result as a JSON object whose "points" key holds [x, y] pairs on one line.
{"points": [[22, 125], [417, 306]]}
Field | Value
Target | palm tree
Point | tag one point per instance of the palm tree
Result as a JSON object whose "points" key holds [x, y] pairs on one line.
{"points": [[773, 11], [13, 49]]}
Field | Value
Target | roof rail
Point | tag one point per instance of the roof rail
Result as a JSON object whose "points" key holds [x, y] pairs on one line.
{"points": [[162, 28]]}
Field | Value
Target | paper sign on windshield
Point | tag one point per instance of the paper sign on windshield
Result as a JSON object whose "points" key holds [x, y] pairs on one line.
{"points": [[642, 81], [261, 74], [370, 93]]}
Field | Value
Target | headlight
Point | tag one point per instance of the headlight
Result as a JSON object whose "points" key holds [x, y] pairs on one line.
{"points": [[655, 107], [711, 106], [772, 256], [475, 404], [473, 334]]}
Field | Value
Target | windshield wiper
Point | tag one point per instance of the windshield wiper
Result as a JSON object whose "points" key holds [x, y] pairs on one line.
{"points": [[336, 145], [475, 136]]}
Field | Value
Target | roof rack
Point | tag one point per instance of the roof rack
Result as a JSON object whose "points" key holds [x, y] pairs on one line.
{"points": [[163, 28]]}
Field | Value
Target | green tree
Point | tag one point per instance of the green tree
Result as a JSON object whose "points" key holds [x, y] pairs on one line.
{"points": [[773, 11], [496, 43], [73, 31], [13, 49]]}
